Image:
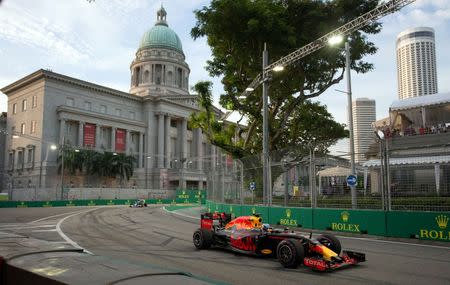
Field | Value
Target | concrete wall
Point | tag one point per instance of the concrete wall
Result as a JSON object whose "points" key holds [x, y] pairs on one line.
{"points": [[51, 194]]}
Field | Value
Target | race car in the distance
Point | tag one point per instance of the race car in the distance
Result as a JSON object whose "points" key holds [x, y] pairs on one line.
{"points": [[139, 203], [248, 235]]}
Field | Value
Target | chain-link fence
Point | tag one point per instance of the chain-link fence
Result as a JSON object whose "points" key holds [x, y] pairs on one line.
{"points": [[393, 179]]}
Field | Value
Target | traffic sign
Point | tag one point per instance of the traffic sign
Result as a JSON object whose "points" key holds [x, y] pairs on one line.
{"points": [[252, 186], [351, 180]]}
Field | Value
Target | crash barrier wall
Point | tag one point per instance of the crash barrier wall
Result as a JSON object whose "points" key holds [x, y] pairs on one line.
{"points": [[182, 197], [54, 194], [112, 194], [420, 225]]}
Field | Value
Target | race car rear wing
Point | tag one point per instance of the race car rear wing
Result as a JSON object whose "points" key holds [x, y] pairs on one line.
{"points": [[211, 220]]}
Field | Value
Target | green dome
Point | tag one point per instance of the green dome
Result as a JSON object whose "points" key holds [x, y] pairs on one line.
{"points": [[161, 36]]}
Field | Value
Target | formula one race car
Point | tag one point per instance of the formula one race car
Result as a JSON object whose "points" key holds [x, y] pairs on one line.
{"points": [[139, 203], [248, 235]]}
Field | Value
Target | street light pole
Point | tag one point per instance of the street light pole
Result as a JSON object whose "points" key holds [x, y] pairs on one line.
{"points": [[62, 165], [265, 89], [350, 121]]}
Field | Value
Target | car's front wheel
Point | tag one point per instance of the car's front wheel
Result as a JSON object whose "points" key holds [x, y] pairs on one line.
{"points": [[202, 238], [331, 242], [290, 253]]}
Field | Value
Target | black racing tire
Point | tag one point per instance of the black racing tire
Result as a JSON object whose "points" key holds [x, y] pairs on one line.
{"points": [[331, 242], [202, 238], [290, 253]]}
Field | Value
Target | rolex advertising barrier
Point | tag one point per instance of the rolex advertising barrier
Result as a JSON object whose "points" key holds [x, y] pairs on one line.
{"points": [[420, 225], [182, 197]]}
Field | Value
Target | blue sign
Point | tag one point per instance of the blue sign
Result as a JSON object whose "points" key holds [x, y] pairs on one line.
{"points": [[351, 180], [252, 186]]}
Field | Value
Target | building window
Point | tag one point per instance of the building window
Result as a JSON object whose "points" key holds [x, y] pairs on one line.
{"points": [[22, 128], [11, 160], [70, 102], [14, 108], [34, 101], [118, 112], [20, 159], [87, 105], [103, 109], [33, 127], [24, 105], [30, 155], [132, 115]]}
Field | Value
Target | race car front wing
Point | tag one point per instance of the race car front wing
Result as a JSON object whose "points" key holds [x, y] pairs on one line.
{"points": [[346, 258]]}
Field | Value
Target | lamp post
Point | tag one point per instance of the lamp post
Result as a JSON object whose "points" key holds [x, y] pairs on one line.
{"points": [[385, 172], [265, 91], [350, 122], [332, 41], [62, 165]]}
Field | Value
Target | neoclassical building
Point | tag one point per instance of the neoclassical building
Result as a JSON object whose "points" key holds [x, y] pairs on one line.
{"points": [[149, 122]]}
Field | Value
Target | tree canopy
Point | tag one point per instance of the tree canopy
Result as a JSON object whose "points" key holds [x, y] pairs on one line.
{"points": [[236, 32]]}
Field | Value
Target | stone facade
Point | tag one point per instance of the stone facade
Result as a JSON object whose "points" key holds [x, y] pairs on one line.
{"points": [[48, 109]]}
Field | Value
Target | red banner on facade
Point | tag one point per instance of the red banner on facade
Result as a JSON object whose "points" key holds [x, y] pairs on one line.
{"points": [[120, 140], [89, 135]]}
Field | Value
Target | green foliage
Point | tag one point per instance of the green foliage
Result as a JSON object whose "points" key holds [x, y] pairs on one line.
{"points": [[105, 164], [237, 44]]}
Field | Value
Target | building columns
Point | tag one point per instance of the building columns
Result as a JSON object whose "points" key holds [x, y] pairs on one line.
{"points": [[160, 155], [141, 149], [98, 142], [113, 139], [127, 143], [167, 141], [183, 140], [62, 131], [80, 133]]}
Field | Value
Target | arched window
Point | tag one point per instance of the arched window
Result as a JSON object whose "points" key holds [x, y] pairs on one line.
{"points": [[137, 76], [158, 75], [169, 78], [179, 77], [146, 76]]}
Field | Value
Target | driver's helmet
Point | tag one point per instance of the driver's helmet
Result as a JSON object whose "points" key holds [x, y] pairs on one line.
{"points": [[265, 227]]}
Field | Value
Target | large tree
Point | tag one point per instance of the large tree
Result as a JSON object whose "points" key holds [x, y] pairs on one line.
{"points": [[236, 31]]}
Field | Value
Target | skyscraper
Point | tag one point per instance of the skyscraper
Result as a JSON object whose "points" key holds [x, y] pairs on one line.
{"points": [[364, 115], [416, 63]]}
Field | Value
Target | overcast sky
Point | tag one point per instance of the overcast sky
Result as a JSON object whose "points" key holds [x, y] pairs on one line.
{"points": [[97, 41]]}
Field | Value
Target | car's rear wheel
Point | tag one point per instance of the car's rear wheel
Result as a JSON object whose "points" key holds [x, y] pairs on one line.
{"points": [[202, 238], [290, 253], [331, 242]]}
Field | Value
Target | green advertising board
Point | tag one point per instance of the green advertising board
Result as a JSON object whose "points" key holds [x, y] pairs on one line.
{"points": [[353, 221], [421, 225], [290, 217]]}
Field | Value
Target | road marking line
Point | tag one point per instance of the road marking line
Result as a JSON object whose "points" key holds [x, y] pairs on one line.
{"points": [[41, 231], [54, 216], [23, 226], [65, 237], [176, 213]]}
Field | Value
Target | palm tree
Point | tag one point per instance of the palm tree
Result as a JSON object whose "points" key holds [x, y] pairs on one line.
{"points": [[123, 166]]}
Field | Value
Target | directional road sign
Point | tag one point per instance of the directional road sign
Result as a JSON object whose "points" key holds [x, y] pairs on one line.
{"points": [[351, 180]]}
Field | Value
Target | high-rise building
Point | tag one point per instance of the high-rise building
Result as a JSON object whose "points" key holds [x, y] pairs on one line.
{"points": [[416, 63], [364, 114]]}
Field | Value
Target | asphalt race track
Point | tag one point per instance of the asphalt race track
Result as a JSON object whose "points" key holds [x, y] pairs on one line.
{"points": [[157, 238]]}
